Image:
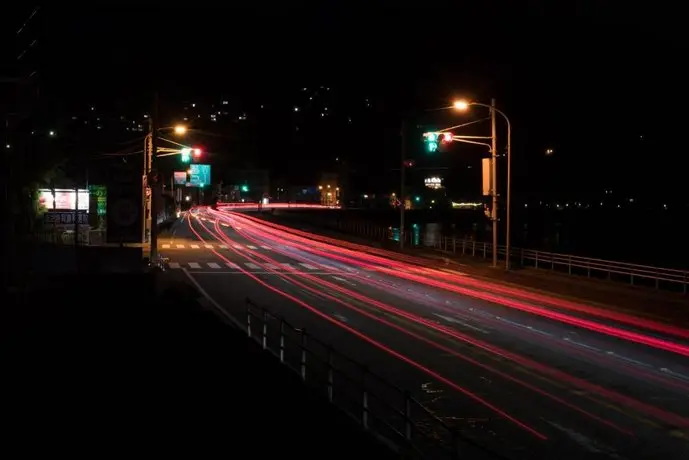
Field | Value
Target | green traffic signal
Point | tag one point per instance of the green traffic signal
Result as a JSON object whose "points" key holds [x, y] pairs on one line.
{"points": [[432, 146], [245, 188], [186, 155], [431, 140]]}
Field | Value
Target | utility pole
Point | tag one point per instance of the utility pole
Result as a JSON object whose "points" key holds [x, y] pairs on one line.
{"points": [[403, 159], [155, 185], [494, 173]]}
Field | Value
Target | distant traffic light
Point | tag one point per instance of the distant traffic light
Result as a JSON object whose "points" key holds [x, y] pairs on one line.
{"points": [[431, 140], [186, 155], [197, 152], [447, 137], [417, 198], [245, 188]]}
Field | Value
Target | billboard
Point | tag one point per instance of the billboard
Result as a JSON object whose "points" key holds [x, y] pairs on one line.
{"points": [[199, 175], [63, 199], [180, 177], [433, 182]]}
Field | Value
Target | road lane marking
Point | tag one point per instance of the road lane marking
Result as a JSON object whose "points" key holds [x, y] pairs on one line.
{"points": [[287, 266], [340, 317], [236, 246], [328, 267], [222, 246], [208, 246], [251, 247], [462, 323], [166, 246], [194, 265], [252, 266], [307, 266], [180, 246], [225, 225], [232, 265], [271, 266], [213, 265], [344, 280], [173, 265], [195, 246], [665, 370], [265, 247]]}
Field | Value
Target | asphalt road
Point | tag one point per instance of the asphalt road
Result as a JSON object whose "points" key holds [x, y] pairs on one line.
{"points": [[520, 384]]}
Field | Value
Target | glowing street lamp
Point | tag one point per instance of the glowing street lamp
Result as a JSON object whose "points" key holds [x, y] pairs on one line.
{"points": [[461, 105], [180, 130]]}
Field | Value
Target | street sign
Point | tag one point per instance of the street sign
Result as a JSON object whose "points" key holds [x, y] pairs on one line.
{"points": [[200, 175], [180, 177], [64, 218], [124, 205]]}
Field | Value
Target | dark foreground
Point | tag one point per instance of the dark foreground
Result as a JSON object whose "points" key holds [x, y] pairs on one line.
{"points": [[107, 364]]}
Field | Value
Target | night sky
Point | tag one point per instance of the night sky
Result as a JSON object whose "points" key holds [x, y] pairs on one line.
{"points": [[603, 87]]}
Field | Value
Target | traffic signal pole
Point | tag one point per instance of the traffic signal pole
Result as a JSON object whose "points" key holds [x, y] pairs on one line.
{"points": [[494, 174], [403, 159], [155, 186]]}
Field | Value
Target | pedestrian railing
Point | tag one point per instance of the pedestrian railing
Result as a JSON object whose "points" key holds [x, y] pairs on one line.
{"points": [[384, 410], [635, 274]]}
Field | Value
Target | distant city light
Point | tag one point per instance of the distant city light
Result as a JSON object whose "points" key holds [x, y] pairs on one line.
{"points": [[187, 198], [296, 109], [51, 133]]}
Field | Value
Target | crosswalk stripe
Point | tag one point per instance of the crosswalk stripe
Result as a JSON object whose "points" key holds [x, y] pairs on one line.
{"points": [[173, 264], [208, 246], [194, 246], [271, 266], [180, 246], [213, 265], [287, 266], [307, 266], [194, 265], [251, 247], [166, 246], [232, 265], [252, 266], [265, 247], [222, 246]]}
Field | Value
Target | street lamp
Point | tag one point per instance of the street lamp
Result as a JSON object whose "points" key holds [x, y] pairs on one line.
{"points": [[463, 105], [180, 130]]}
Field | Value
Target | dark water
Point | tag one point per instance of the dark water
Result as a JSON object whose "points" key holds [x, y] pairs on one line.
{"points": [[658, 238]]}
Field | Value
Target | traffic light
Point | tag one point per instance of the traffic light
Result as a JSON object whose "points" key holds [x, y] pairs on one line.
{"points": [[197, 152], [431, 140], [447, 137], [186, 155], [245, 188], [417, 198]]}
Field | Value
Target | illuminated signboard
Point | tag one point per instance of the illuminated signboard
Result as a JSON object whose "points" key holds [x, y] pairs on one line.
{"points": [[200, 175], [433, 182], [63, 199], [180, 177]]}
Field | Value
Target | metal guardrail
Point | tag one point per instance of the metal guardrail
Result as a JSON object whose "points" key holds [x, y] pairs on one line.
{"points": [[386, 411], [634, 274]]}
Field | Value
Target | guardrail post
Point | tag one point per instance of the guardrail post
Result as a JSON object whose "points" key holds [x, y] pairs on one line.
{"points": [[331, 376], [473, 248], [521, 257], [454, 245], [536, 266], [407, 416], [569, 265], [264, 339], [364, 399], [457, 451], [282, 340], [303, 354], [248, 320], [464, 246], [485, 248]]}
